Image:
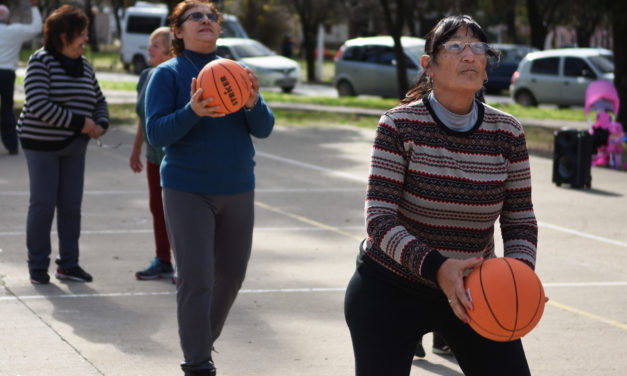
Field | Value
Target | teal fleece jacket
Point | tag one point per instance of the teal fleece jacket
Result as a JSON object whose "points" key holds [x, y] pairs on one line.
{"points": [[202, 154]]}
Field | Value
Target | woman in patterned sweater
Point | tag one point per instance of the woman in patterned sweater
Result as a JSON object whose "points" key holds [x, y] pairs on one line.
{"points": [[444, 168], [64, 108]]}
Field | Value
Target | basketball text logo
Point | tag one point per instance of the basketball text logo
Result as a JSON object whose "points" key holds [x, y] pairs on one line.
{"points": [[228, 91]]}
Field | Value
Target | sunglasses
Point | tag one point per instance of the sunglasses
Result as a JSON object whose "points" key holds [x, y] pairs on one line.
{"points": [[199, 16], [457, 47]]}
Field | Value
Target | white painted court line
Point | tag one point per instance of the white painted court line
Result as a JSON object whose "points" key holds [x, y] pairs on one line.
{"points": [[330, 171], [263, 291], [149, 231], [364, 179], [582, 234]]}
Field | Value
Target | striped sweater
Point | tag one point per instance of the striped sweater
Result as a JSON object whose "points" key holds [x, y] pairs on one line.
{"points": [[57, 103], [434, 193]]}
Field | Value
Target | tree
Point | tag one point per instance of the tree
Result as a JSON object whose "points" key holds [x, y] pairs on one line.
{"points": [[395, 25], [585, 16], [542, 15], [312, 13]]}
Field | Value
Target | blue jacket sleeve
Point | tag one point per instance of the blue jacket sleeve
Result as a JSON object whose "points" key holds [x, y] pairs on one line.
{"points": [[165, 123], [260, 119]]}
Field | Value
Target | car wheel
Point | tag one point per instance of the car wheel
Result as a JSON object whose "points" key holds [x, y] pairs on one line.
{"points": [[525, 98], [345, 89], [287, 89], [139, 64]]}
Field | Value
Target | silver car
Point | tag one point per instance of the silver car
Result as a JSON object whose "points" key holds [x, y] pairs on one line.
{"points": [[271, 69], [368, 65], [560, 76]]}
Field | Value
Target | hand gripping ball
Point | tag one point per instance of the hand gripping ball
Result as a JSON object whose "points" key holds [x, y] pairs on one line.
{"points": [[507, 298], [227, 82]]}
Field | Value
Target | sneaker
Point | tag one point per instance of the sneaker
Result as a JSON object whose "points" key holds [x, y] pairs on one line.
{"points": [[440, 347], [39, 277], [73, 274], [156, 270], [203, 372]]}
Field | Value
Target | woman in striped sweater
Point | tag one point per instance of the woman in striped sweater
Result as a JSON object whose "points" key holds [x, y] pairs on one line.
{"points": [[444, 168], [64, 108]]}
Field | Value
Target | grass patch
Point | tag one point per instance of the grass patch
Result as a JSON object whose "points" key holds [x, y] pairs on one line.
{"points": [[323, 119], [521, 112], [365, 102]]}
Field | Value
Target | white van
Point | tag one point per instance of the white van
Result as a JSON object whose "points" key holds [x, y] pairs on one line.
{"points": [[143, 18]]}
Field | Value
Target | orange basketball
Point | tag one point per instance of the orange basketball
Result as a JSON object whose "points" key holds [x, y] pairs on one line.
{"points": [[227, 82], [507, 298]]}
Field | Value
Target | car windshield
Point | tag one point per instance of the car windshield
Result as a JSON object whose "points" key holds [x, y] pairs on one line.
{"points": [[604, 63], [415, 51], [253, 49]]}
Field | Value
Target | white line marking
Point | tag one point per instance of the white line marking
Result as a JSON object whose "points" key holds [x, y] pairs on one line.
{"points": [[263, 291], [149, 231], [582, 234], [329, 171], [585, 284]]}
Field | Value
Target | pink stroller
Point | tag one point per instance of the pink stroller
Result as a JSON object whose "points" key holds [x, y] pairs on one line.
{"points": [[607, 134]]}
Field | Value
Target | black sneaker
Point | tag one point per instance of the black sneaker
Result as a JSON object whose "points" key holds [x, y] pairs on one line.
{"points": [[157, 269], [440, 347], [204, 372], [39, 277], [73, 274]]}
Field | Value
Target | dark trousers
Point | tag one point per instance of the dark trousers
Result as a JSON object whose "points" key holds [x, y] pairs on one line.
{"points": [[7, 116], [56, 182], [386, 323], [156, 208], [211, 239]]}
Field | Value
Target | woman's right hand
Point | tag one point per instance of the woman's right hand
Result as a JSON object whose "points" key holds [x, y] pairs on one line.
{"points": [[135, 161], [201, 106], [89, 126], [450, 277]]}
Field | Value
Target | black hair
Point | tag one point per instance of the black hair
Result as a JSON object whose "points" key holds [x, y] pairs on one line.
{"points": [[440, 34]]}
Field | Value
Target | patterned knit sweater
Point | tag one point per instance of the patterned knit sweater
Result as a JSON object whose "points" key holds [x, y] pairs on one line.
{"points": [[58, 99], [434, 193]]}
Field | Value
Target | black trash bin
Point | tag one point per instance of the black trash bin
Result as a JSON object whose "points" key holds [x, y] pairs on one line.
{"points": [[572, 156]]}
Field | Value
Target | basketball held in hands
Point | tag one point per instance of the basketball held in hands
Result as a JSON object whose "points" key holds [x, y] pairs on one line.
{"points": [[507, 297], [227, 82]]}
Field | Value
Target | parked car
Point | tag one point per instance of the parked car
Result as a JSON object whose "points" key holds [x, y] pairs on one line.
{"points": [[142, 19], [560, 76], [500, 76], [368, 65], [270, 68]]}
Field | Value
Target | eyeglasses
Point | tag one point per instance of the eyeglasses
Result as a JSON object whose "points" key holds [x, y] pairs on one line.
{"points": [[457, 47], [199, 16]]}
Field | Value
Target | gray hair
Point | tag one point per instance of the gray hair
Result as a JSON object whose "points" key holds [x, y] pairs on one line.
{"points": [[4, 13], [165, 33]]}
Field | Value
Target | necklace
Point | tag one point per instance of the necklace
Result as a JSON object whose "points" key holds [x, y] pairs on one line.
{"points": [[192, 63]]}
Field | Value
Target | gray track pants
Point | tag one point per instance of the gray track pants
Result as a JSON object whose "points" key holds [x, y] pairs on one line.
{"points": [[211, 238]]}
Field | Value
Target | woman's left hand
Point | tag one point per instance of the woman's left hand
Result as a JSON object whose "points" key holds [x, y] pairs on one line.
{"points": [[201, 106], [254, 90], [450, 277], [96, 131]]}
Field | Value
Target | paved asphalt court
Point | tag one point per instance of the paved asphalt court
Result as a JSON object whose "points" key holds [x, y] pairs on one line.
{"points": [[288, 319]]}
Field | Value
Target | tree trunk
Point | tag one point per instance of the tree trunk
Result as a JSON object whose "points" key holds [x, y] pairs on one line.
{"points": [[536, 25], [93, 41], [395, 27]]}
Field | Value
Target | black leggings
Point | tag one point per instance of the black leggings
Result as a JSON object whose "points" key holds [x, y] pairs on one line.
{"points": [[387, 322]]}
